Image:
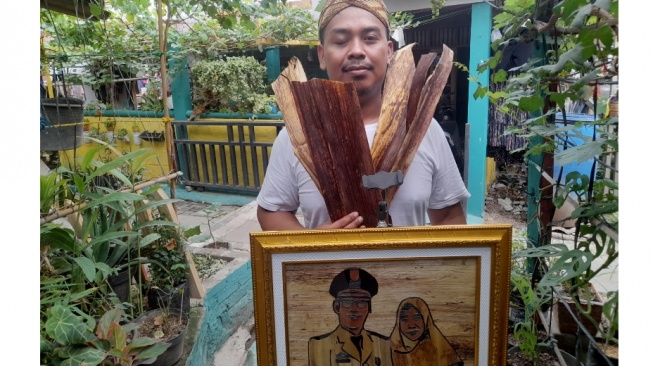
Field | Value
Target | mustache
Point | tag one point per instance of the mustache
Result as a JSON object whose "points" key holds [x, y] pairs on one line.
{"points": [[357, 66]]}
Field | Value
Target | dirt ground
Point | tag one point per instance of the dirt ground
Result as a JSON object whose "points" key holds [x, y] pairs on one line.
{"points": [[505, 201]]}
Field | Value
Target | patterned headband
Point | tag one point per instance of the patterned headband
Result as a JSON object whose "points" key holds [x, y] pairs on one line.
{"points": [[333, 7]]}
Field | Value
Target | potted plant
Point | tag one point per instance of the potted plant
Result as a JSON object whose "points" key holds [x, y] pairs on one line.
{"points": [[533, 344], [110, 125], [122, 135], [168, 272], [86, 131], [64, 116], [164, 325]]}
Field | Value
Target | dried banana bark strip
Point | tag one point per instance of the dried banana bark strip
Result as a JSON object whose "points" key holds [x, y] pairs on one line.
{"points": [[330, 115], [287, 105], [421, 73], [392, 121]]}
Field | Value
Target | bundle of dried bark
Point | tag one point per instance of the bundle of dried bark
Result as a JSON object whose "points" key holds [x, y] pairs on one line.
{"points": [[325, 126], [429, 98]]}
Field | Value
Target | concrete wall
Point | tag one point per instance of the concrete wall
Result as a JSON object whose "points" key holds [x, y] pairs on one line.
{"points": [[229, 304]]}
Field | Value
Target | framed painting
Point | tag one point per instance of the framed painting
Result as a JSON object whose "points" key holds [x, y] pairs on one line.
{"points": [[434, 295]]}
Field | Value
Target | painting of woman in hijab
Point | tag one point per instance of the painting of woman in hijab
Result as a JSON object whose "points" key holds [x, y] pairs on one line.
{"points": [[416, 340]]}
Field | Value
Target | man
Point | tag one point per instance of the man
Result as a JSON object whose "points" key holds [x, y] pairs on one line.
{"points": [[355, 47], [350, 343]]}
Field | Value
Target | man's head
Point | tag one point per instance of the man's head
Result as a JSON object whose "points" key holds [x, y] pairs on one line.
{"points": [[354, 43], [353, 289]]}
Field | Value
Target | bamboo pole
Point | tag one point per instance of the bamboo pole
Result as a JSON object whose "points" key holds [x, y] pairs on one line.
{"points": [[69, 210], [170, 147]]}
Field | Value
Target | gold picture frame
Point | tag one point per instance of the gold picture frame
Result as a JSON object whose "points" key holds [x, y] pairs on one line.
{"points": [[461, 272]]}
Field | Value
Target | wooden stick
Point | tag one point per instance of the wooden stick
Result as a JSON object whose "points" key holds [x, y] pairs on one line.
{"points": [[194, 281]]}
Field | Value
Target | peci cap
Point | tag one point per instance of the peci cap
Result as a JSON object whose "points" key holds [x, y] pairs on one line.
{"points": [[353, 279], [333, 7]]}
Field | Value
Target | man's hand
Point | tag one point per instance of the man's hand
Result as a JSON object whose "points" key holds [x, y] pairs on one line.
{"points": [[285, 220], [349, 221]]}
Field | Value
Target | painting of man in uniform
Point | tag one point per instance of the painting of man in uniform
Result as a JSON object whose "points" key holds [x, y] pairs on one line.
{"points": [[448, 285], [350, 343]]}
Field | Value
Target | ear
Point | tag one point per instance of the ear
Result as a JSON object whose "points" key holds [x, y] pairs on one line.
{"points": [[391, 48], [320, 56], [336, 306]]}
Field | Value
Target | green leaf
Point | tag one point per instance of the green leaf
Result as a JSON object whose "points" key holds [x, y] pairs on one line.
{"points": [[119, 336], [87, 266], [580, 153], [500, 76], [532, 103], [581, 16], [114, 197], [96, 10], [603, 4], [141, 342], [479, 93], [571, 264], [104, 325], [86, 356], [66, 328], [192, 231], [152, 351]]}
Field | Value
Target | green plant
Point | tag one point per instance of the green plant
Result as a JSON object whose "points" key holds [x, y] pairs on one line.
{"points": [[110, 123], [108, 234], [436, 5], [579, 55], [151, 99], [169, 267], [54, 189], [526, 331], [94, 132], [232, 85], [122, 133], [68, 338], [136, 127]]}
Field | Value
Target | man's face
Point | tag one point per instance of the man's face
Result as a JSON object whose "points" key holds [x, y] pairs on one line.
{"points": [[352, 308], [356, 49]]}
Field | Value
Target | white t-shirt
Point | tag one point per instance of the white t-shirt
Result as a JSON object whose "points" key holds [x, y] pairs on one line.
{"points": [[432, 182]]}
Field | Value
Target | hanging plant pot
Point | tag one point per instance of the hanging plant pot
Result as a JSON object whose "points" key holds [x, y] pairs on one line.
{"points": [[65, 115], [137, 138]]}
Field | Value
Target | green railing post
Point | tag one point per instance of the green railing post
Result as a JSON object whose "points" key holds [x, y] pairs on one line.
{"points": [[181, 101], [272, 63], [477, 110]]}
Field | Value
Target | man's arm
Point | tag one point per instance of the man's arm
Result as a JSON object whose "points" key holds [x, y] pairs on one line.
{"points": [[277, 220], [452, 215], [286, 220]]}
